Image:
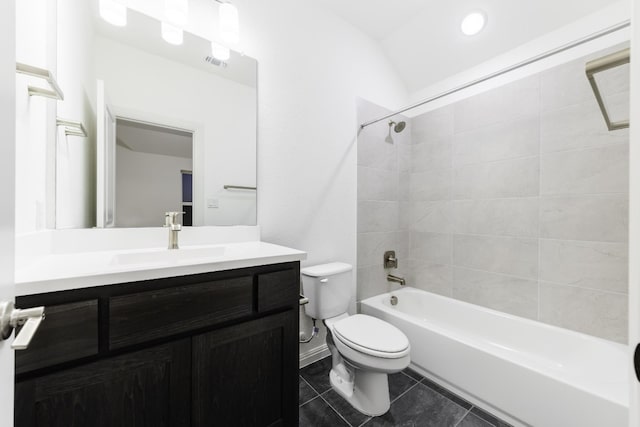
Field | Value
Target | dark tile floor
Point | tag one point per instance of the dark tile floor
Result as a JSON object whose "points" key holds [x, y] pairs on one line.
{"points": [[415, 401]]}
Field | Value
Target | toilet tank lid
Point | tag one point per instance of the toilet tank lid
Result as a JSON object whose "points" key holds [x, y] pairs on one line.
{"points": [[326, 269]]}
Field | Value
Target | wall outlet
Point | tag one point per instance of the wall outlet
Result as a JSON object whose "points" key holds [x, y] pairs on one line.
{"points": [[212, 203]]}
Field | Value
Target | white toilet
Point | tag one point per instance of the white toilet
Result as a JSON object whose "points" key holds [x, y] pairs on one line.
{"points": [[364, 349]]}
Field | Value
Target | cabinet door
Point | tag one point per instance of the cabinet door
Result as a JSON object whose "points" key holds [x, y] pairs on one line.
{"points": [[145, 388], [247, 375]]}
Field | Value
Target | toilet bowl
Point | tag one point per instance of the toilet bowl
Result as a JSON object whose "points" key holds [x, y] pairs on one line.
{"points": [[364, 349]]}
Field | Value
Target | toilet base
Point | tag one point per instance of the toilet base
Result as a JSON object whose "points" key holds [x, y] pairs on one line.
{"points": [[368, 392]]}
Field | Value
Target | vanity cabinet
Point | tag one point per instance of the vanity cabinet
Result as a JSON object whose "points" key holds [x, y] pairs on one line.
{"points": [[200, 350], [141, 388]]}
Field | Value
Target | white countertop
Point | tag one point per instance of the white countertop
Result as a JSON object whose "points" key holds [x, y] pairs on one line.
{"points": [[58, 272]]}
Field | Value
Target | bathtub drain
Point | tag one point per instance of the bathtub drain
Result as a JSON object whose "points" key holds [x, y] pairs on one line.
{"points": [[394, 300]]}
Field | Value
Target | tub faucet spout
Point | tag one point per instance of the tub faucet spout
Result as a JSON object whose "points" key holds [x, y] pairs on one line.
{"points": [[396, 279]]}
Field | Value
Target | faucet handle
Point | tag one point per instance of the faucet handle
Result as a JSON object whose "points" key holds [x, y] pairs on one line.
{"points": [[171, 217]]}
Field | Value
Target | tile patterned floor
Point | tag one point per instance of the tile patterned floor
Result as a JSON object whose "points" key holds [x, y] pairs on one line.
{"points": [[415, 401]]}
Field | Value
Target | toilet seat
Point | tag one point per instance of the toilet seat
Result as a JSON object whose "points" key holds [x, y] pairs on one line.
{"points": [[371, 336]]}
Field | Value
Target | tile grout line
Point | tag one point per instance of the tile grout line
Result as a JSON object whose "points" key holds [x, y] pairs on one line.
{"points": [[463, 417], [452, 180], [334, 409], [584, 287], [313, 398], [507, 236], [539, 251], [309, 384], [471, 405], [510, 276], [312, 389], [601, 194], [405, 392]]}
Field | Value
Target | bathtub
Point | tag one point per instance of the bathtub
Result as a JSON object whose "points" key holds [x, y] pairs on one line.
{"points": [[526, 372]]}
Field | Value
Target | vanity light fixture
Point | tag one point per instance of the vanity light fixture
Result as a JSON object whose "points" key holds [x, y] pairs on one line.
{"points": [[176, 11], [171, 34], [114, 12], [473, 23], [220, 52], [229, 23]]}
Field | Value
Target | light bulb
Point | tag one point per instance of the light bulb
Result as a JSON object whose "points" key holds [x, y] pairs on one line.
{"points": [[229, 24], [473, 23], [176, 11], [171, 34], [220, 52], [115, 13]]}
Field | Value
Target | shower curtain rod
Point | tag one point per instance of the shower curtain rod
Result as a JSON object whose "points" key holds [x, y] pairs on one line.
{"points": [[510, 68]]}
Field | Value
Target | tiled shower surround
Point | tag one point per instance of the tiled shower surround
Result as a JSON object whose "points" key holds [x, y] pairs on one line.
{"points": [[515, 199]]}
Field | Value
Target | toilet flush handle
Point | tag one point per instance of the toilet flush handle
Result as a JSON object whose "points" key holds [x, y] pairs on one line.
{"points": [[325, 280]]}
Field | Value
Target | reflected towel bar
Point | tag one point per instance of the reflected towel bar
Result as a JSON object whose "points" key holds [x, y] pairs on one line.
{"points": [[72, 128], [613, 60], [238, 187], [41, 73]]}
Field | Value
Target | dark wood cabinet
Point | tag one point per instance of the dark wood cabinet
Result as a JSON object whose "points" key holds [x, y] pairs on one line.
{"points": [[201, 350], [142, 388], [246, 366]]}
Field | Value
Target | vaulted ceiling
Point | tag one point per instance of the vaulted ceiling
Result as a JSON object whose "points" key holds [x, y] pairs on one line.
{"points": [[422, 38]]}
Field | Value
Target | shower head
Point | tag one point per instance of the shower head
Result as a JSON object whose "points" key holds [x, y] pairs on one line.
{"points": [[397, 128]]}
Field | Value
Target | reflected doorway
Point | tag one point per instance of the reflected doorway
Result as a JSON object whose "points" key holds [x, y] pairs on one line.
{"points": [[154, 167]]}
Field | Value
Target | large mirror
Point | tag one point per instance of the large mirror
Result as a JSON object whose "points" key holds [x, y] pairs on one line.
{"points": [[169, 127]]}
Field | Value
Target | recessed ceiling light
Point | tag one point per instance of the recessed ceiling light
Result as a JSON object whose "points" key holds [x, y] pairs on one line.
{"points": [[473, 23]]}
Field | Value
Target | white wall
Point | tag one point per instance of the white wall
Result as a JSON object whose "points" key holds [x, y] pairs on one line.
{"points": [[139, 175], [75, 179], [166, 92], [312, 68]]}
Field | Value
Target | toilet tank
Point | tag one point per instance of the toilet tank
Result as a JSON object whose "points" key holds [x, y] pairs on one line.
{"points": [[328, 287]]}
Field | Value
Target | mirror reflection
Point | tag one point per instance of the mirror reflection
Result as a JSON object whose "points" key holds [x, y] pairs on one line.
{"points": [[151, 157], [174, 129]]}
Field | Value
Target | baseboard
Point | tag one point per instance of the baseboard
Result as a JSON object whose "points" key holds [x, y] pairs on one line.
{"points": [[313, 355]]}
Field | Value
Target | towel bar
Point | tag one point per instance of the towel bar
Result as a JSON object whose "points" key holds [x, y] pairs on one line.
{"points": [[41, 73]]}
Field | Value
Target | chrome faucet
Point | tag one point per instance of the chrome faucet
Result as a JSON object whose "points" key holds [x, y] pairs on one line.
{"points": [[171, 221], [396, 279]]}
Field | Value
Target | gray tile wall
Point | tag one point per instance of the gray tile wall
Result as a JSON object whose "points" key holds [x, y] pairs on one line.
{"points": [[515, 199], [384, 171]]}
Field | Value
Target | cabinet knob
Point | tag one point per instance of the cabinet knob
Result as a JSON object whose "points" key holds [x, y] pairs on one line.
{"points": [[11, 318]]}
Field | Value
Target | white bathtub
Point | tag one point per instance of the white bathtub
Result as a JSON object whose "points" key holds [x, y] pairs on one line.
{"points": [[525, 371]]}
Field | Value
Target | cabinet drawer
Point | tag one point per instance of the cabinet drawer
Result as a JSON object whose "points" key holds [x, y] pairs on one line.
{"points": [[145, 316], [278, 289], [68, 332]]}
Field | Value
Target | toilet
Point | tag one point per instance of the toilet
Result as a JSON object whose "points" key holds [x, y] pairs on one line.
{"points": [[364, 349]]}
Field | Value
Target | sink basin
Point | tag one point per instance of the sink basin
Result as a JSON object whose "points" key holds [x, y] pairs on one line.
{"points": [[166, 256]]}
